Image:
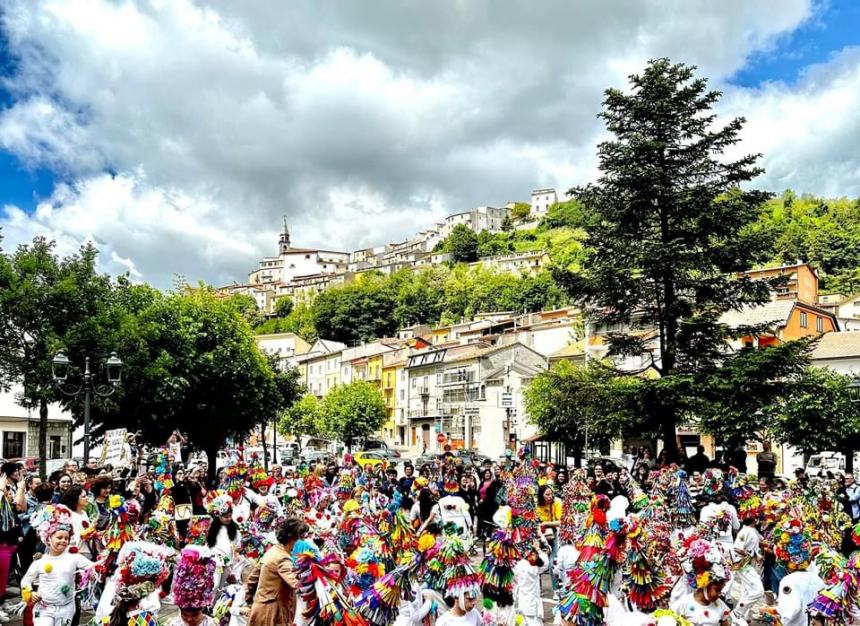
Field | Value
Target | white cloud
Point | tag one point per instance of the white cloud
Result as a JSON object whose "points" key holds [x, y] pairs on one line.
{"points": [[362, 122], [808, 132]]}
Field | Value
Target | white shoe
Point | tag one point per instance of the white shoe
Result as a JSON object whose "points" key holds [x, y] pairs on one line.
{"points": [[4, 618]]}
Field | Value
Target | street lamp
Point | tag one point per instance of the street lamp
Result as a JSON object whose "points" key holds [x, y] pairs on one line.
{"points": [[60, 371]]}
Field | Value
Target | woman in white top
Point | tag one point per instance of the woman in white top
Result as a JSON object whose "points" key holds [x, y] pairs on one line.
{"points": [[76, 499]]}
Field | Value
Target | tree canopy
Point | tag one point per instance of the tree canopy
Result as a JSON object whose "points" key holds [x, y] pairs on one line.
{"points": [[581, 405], [192, 363], [819, 414], [672, 230], [354, 411], [47, 304], [462, 244]]}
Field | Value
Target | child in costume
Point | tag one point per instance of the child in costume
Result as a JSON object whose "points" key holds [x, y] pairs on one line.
{"points": [[527, 593], [747, 554], [193, 587], [707, 575], [131, 596], [54, 573], [461, 583], [223, 535]]}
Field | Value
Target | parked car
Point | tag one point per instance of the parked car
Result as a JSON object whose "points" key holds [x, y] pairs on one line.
{"points": [[375, 444], [424, 459], [470, 457], [608, 463], [310, 455], [377, 457]]}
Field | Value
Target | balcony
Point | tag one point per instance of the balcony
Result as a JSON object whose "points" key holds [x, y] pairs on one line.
{"points": [[423, 391]]}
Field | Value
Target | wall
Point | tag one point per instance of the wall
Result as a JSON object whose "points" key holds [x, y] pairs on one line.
{"points": [[794, 330]]}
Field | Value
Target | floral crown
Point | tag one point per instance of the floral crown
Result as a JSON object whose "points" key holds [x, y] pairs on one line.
{"points": [[703, 562], [51, 519], [142, 567], [194, 578]]}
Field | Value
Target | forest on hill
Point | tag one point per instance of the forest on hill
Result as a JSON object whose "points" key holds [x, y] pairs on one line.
{"points": [[824, 232]]}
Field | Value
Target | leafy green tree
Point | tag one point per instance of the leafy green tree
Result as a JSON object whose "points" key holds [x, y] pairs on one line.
{"points": [[418, 298], [521, 210], [739, 398], [243, 303], [305, 418], [674, 230], [819, 414], [283, 307], [462, 243], [48, 304], [491, 244], [355, 313], [580, 405], [354, 412], [507, 223], [824, 232], [299, 321], [192, 363], [569, 214]]}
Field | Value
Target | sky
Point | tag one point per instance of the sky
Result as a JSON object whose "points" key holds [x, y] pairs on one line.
{"points": [[176, 134]]}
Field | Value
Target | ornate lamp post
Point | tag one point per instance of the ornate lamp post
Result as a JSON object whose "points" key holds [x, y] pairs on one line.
{"points": [[60, 371]]}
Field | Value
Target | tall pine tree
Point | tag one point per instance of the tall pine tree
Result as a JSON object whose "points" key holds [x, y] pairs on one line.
{"points": [[672, 234]]}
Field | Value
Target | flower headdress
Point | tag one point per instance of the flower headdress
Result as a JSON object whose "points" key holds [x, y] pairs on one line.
{"points": [[218, 503], [233, 482], [124, 514], [141, 567], [194, 579], [792, 546], [50, 519], [257, 475], [713, 482], [163, 476], [703, 562]]}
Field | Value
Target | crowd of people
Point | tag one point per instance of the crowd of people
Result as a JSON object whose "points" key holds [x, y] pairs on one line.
{"points": [[445, 543]]}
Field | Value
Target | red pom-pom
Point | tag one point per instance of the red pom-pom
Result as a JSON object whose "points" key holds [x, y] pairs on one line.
{"points": [[73, 549], [85, 523]]}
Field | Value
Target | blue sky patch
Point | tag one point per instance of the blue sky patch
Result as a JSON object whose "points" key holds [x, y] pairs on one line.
{"points": [[836, 26]]}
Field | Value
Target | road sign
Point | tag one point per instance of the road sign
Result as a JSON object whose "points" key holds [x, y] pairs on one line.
{"points": [[507, 400], [440, 438]]}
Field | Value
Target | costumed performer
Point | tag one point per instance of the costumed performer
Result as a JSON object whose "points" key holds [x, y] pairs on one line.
{"points": [[54, 573]]}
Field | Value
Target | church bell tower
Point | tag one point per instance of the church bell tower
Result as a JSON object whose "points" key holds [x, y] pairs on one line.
{"points": [[284, 239]]}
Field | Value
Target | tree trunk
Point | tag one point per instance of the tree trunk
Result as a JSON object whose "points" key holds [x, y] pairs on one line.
{"points": [[212, 458], [848, 451], [265, 448], [43, 438], [669, 435]]}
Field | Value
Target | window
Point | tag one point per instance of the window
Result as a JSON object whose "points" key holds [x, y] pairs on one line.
{"points": [[819, 324], [307, 256], [54, 449], [804, 323], [13, 444]]}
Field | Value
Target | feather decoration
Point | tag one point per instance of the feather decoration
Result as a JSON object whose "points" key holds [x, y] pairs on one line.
{"points": [[497, 568], [326, 603]]}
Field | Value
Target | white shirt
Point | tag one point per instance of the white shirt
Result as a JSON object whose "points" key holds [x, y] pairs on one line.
{"points": [[699, 614], [62, 574], [472, 618], [747, 540], [709, 513], [527, 596]]}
